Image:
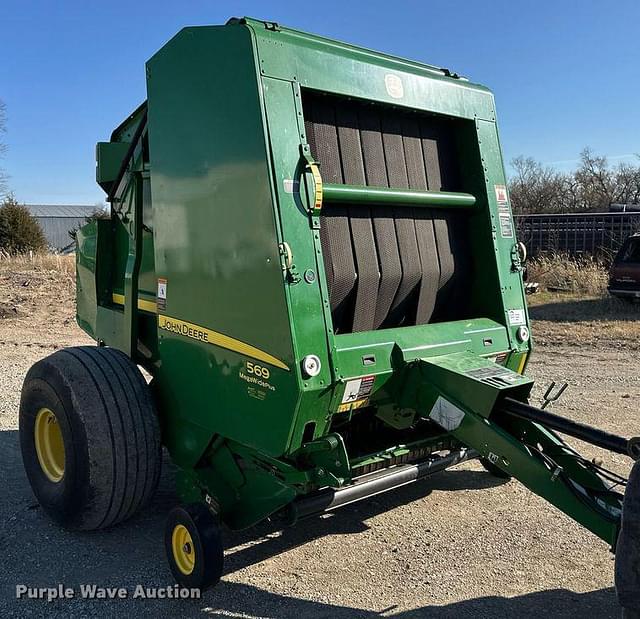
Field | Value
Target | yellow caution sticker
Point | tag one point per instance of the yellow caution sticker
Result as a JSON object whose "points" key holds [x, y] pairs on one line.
{"points": [[347, 406], [317, 181], [523, 361]]}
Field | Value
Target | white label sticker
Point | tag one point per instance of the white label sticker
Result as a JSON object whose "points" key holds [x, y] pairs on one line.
{"points": [[516, 317], [352, 390], [446, 414], [162, 288], [358, 388], [394, 86], [506, 229], [290, 186], [501, 194]]}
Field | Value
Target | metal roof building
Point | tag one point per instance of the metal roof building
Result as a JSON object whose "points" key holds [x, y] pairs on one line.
{"points": [[56, 220]]}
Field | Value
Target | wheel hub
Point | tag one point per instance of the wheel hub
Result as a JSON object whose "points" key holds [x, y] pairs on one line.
{"points": [[49, 444], [182, 548]]}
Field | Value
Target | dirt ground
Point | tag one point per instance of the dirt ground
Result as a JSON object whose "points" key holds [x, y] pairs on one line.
{"points": [[460, 544]]}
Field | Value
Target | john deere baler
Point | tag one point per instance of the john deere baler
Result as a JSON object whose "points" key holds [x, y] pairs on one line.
{"points": [[312, 254]]}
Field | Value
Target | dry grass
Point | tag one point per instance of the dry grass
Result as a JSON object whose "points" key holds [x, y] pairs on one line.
{"points": [[37, 298], [563, 273], [584, 320], [63, 264], [573, 306]]}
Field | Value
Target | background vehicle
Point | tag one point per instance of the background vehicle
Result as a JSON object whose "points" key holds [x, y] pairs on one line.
{"points": [[624, 276]]}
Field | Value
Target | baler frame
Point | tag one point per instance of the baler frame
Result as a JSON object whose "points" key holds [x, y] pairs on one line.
{"points": [[150, 280], [324, 462]]}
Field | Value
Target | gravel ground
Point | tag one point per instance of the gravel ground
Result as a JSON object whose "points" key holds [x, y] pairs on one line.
{"points": [[460, 544]]}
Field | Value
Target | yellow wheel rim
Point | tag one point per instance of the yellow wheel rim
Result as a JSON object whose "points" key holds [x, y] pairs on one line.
{"points": [[49, 444], [184, 553]]}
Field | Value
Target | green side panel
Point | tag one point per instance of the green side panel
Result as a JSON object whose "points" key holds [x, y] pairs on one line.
{"points": [[340, 68], [93, 275], [109, 158], [510, 299], [216, 244], [304, 295], [86, 293]]}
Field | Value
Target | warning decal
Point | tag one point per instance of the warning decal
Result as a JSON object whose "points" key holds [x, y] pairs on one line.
{"points": [[501, 195], [162, 293], [358, 389], [347, 406], [497, 376]]}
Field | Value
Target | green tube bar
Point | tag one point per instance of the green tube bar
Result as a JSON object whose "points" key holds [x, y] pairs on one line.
{"points": [[358, 194]]}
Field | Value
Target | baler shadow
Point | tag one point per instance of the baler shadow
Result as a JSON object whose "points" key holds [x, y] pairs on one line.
{"points": [[603, 309], [42, 554], [245, 600], [269, 540]]}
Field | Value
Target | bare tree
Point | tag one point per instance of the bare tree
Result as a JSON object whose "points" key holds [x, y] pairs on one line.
{"points": [[593, 186], [628, 184], [602, 185], [536, 188], [597, 181]]}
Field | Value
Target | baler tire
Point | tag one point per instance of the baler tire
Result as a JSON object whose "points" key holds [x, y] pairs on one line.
{"points": [[111, 455], [494, 470], [193, 545]]}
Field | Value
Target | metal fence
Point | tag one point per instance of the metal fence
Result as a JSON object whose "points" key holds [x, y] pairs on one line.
{"points": [[576, 233]]}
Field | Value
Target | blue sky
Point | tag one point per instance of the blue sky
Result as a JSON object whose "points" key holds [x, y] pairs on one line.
{"points": [[564, 72]]}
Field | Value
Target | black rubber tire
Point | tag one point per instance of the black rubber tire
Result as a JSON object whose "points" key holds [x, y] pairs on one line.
{"points": [[493, 469], [207, 545], [110, 431], [627, 566]]}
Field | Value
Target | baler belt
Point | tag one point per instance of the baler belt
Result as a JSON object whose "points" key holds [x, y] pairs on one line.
{"points": [[385, 266], [335, 233], [364, 246], [428, 249], [436, 149], [389, 265], [404, 223]]}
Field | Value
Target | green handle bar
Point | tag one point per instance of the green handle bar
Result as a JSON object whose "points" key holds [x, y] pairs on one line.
{"points": [[358, 194]]}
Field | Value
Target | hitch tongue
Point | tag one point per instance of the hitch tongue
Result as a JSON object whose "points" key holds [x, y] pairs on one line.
{"points": [[611, 442]]}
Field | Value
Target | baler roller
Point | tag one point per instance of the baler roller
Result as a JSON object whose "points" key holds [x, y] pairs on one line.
{"points": [[375, 483]]}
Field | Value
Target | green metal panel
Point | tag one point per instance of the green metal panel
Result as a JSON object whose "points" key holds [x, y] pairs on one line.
{"points": [[86, 281], [109, 157], [216, 245], [304, 296], [332, 66]]}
